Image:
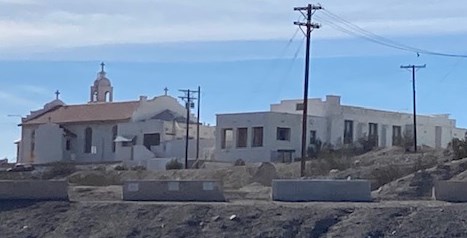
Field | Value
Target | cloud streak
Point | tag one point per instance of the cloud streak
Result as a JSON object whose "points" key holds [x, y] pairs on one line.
{"points": [[36, 26]]}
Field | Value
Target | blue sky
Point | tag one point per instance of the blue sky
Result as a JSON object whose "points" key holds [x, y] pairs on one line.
{"points": [[239, 52]]}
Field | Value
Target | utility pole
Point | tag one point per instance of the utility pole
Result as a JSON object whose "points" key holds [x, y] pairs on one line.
{"points": [[310, 9], [188, 102], [414, 69], [197, 124]]}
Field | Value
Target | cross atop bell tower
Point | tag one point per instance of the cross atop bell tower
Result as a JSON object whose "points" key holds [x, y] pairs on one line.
{"points": [[57, 94], [102, 67]]}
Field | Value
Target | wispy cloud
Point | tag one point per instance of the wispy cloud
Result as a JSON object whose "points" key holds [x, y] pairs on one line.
{"points": [[14, 99], [34, 89], [42, 25]]}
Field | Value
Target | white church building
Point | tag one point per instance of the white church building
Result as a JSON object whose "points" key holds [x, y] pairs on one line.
{"points": [[101, 130], [275, 135]]}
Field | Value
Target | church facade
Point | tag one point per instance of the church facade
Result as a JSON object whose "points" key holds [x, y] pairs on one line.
{"points": [[103, 130]]}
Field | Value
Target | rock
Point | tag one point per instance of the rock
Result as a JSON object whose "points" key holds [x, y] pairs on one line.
{"points": [[264, 174], [216, 218], [233, 218]]}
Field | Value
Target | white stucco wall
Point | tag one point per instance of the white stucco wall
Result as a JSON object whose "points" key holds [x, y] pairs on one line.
{"points": [[49, 143], [270, 121]]}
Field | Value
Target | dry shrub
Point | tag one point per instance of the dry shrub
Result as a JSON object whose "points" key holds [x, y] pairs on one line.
{"points": [[173, 165], [59, 170]]}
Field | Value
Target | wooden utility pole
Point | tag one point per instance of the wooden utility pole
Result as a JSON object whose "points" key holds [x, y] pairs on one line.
{"points": [[197, 125], [188, 102], [310, 9], [414, 69]]}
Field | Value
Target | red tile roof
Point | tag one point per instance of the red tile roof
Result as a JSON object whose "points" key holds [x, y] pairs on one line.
{"points": [[114, 111]]}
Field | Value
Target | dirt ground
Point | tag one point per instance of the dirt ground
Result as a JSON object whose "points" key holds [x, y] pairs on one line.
{"points": [[237, 219], [403, 205]]}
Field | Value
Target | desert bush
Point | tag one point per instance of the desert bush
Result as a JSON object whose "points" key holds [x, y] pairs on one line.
{"points": [[173, 164], [59, 169], [120, 168], [239, 162], [459, 148], [138, 168], [384, 175]]}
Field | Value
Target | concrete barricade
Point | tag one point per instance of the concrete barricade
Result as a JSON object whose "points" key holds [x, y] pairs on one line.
{"points": [[33, 190], [450, 191], [307, 190], [173, 190]]}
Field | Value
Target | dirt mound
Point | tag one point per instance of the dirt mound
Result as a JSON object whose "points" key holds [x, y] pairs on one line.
{"points": [[419, 184]]}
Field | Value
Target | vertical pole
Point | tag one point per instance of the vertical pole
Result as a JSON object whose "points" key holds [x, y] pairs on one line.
{"points": [[305, 92], [414, 111], [197, 124], [187, 129]]}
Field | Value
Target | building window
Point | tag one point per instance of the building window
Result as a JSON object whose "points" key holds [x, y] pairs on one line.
{"points": [[87, 140], [33, 143], [68, 144], [151, 140], [257, 137], [299, 107], [114, 136], [242, 137], [348, 132], [312, 137], [227, 138], [373, 134], [283, 133], [396, 136]]}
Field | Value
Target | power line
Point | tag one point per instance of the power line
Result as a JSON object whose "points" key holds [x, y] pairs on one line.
{"points": [[355, 30]]}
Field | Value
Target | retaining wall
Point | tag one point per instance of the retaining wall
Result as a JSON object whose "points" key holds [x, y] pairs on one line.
{"points": [[173, 190], [307, 190], [33, 190]]}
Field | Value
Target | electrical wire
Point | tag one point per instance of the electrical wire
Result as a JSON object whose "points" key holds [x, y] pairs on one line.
{"points": [[349, 28]]}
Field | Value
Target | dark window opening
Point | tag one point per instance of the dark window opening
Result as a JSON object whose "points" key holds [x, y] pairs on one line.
{"points": [[348, 132], [312, 137], [396, 135], [151, 140], [283, 133], [114, 136], [68, 145], [373, 134], [242, 137], [87, 140], [257, 137], [227, 138], [299, 107]]}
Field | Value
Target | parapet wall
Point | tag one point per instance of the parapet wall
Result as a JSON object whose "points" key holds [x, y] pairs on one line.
{"points": [[307, 190], [33, 190], [173, 190]]}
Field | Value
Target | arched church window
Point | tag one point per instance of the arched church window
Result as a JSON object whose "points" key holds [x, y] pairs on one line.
{"points": [[94, 96], [114, 136], [87, 140], [107, 96]]}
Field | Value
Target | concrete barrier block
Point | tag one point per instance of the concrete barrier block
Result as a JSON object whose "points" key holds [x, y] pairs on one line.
{"points": [[173, 190], [307, 190], [450, 191], [33, 190]]}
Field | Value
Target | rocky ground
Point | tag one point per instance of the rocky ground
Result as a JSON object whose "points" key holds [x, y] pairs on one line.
{"points": [[401, 182]]}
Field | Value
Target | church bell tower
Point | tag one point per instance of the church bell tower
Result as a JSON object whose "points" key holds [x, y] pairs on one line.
{"points": [[102, 90]]}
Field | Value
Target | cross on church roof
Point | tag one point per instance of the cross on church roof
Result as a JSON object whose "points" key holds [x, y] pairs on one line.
{"points": [[166, 90], [102, 67], [57, 94]]}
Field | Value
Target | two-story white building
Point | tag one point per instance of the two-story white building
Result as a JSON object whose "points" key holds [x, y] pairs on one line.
{"points": [[276, 135]]}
